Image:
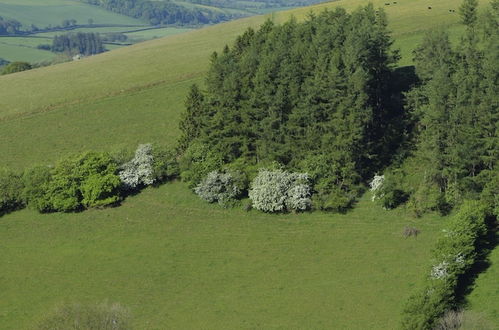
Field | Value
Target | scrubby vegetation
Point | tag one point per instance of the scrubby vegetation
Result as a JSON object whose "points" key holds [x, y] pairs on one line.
{"points": [[453, 257], [74, 316], [87, 180], [16, 67]]}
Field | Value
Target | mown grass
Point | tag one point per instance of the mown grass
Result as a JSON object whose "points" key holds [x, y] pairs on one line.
{"points": [[180, 263], [29, 98]]}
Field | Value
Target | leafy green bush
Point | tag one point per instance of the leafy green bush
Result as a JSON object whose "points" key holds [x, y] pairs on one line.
{"points": [[36, 182], [74, 316], [11, 188], [453, 256], [81, 181], [197, 161], [86, 180], [428, 197], [100, 190], [165, 166], [386, 192]]}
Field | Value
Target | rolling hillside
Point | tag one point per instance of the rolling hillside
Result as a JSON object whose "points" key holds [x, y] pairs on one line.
{"points": [[174, 260], [135, 94]]}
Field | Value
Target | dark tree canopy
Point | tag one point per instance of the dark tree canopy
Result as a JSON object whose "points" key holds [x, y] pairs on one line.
{"points": [[312, 96], [78, 43]]}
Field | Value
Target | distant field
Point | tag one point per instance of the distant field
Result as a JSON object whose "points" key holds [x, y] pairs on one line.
{"points": [[24, 49], [102, 83], [180, 263], [156, 33], [53, 12]]}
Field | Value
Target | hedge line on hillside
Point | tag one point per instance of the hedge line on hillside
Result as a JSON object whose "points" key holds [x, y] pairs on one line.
{"points": [[454, 255], [86, 180]]}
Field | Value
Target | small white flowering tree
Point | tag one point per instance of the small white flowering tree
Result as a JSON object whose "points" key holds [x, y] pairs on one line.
{"points": [[278, 190], [377, 186], [218, 187], [138, 171]]}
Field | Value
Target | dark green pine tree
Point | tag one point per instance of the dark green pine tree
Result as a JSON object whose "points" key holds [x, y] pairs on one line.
{"points": [[193, 118]]}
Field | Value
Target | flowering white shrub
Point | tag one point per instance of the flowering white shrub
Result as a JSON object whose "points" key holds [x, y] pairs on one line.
{"points": [[218, 187], [140, 169], [278, 190], [299, 198], [440, 271], [376, 186]]}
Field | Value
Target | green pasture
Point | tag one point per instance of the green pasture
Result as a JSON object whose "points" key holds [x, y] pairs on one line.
{"points": [[155, 33], [53, 12], [107, 29], [24, 49], [180, 263], [484, 299]]}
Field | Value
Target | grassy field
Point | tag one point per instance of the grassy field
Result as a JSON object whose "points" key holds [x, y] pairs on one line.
{"points": [[484, 299], [180, 263], [101, 83], [24, 49], [53, 12]]}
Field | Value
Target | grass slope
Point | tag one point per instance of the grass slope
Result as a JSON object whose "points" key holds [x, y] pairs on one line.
{"points": [[180, 263], [32, 100], [484, 299]]}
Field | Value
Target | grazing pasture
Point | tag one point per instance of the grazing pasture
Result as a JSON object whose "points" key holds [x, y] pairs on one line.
{"points": [[180, 263], [484, 299]]}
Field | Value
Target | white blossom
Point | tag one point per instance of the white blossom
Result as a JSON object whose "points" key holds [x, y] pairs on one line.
{"points": [[218, 187], [278, 190], [140, 169], [440, 271], [376, 186]]}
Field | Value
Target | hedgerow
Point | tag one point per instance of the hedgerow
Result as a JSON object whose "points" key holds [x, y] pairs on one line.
{"points": [[453, 257], [11, 188]]}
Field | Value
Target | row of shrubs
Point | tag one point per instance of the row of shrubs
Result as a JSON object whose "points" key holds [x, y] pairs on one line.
{"points": [[271, 190], [396, 187], [453, 257], [87, 180]]}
